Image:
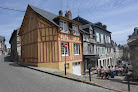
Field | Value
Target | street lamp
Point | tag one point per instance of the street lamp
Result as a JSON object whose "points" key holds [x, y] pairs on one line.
{"points": [[65, 45]]}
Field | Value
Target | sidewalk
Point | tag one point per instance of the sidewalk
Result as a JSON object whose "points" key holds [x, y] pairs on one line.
{"points": [[116, 84]]}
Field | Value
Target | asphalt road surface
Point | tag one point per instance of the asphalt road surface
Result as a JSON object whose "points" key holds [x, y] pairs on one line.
{"points": [[15, 78]]}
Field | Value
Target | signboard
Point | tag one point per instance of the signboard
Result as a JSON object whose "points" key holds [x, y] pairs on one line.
{"points": [[66, 45]]}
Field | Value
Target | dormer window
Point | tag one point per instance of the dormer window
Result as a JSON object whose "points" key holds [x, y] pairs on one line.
{"points": [[63, 24], [75, 29]]}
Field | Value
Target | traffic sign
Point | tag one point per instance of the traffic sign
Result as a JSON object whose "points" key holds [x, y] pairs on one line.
{"points": [[66, 45]]}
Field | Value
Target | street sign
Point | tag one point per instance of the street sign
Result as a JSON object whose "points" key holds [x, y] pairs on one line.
{"points": [[66, 45]]}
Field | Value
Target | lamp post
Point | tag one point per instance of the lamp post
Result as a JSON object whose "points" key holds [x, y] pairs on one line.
{"points": [[65, 45]]}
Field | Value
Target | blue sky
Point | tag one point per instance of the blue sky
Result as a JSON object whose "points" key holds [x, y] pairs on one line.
{"points": [[120, 16]]}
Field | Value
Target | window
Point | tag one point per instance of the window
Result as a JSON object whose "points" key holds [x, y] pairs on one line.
{"points": [[90, 48], [97, 37], [91, 34], [63, 49], [103, 50], [102, 38], [75, 29], [76, 49], [63, 24], [109, 40]]}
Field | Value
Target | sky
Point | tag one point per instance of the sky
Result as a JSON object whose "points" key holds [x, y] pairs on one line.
{"points": [[120, 16]]}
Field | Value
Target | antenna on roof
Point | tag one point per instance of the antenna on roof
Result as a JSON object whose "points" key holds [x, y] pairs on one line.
{"points": [[78, 11], [61, 4], [67, 4]]}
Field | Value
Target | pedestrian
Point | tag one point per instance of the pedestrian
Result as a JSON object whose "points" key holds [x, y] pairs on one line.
{"points": [[116, 70], [107, 74], [102, 72], [111, 72]]}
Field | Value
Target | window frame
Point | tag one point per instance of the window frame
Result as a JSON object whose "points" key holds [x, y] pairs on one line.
{"points": [[63, 28], [76, 47], [76, 30], [97, 37], [67, 49]]}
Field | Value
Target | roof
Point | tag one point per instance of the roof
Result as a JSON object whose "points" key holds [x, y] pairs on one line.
{"points": [[14, 32], [45, 14], [86, 26], [84, 22], [82, 31], [102, 29]]}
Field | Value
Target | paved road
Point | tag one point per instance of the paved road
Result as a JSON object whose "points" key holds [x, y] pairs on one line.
{"points": [[14, 78]]}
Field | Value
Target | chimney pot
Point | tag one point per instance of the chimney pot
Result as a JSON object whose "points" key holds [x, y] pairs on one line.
{"points": [[60, 13]]}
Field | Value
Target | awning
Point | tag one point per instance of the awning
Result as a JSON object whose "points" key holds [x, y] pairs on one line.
{"points": [[92, 57]]}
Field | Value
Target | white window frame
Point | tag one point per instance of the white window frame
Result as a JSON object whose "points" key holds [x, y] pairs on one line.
{"points": [[102, 38], [75, 29], [63, 48], [64, 29], [75, 48], [97, 37]]}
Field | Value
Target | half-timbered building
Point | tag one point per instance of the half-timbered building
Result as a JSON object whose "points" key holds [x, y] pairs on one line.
{"points": [[43, 35]]}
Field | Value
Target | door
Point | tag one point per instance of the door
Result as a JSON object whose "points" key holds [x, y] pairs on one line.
{"points": [[77, 68]]}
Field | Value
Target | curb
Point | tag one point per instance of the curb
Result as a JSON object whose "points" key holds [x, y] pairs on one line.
{"points": [[63, 76], [78, 80]]}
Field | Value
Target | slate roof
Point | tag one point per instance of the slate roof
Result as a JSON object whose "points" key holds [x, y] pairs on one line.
{"points": [[86, 25], [47, 15], [13, 34], [84, 22]]}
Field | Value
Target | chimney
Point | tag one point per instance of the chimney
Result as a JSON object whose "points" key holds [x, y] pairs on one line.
{"points": [[60, 13], [105, 27], [68, 15]]}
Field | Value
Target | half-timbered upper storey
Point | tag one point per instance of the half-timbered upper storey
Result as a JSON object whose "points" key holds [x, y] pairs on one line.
{"points": [[43, 35]]}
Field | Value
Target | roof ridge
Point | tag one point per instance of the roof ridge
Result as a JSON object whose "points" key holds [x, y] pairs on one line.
{"points": [[45, 14]]}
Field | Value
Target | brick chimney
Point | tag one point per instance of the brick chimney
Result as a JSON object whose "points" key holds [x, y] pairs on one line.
{"points": [[68, 15]]}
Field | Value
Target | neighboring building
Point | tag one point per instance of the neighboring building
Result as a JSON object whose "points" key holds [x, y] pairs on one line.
{"points": [[102, 44], [43, 36], [89, 48], [2, 45], [15, 46], [8, 51], [120, 50], [133, 46], [115, 53], [126, 54]]}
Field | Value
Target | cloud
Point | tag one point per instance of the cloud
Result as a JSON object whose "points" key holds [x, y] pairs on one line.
{"points": [[121, 36]]}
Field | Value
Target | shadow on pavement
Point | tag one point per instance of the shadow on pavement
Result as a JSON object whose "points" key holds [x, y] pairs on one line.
{"points": [[124, 81], [15, 64], [7, 59]]}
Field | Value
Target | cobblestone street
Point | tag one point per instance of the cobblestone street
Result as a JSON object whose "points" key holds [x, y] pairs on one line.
{"points": [[14, 78]]}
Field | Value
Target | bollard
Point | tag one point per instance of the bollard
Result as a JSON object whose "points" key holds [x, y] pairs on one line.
{"points": [[128, 84], [90, 74]]}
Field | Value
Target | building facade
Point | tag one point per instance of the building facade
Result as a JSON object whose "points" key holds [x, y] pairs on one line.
{"points": [[43, 36], [133, 46], [102, 45], [2, 45], [15, 42]]}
